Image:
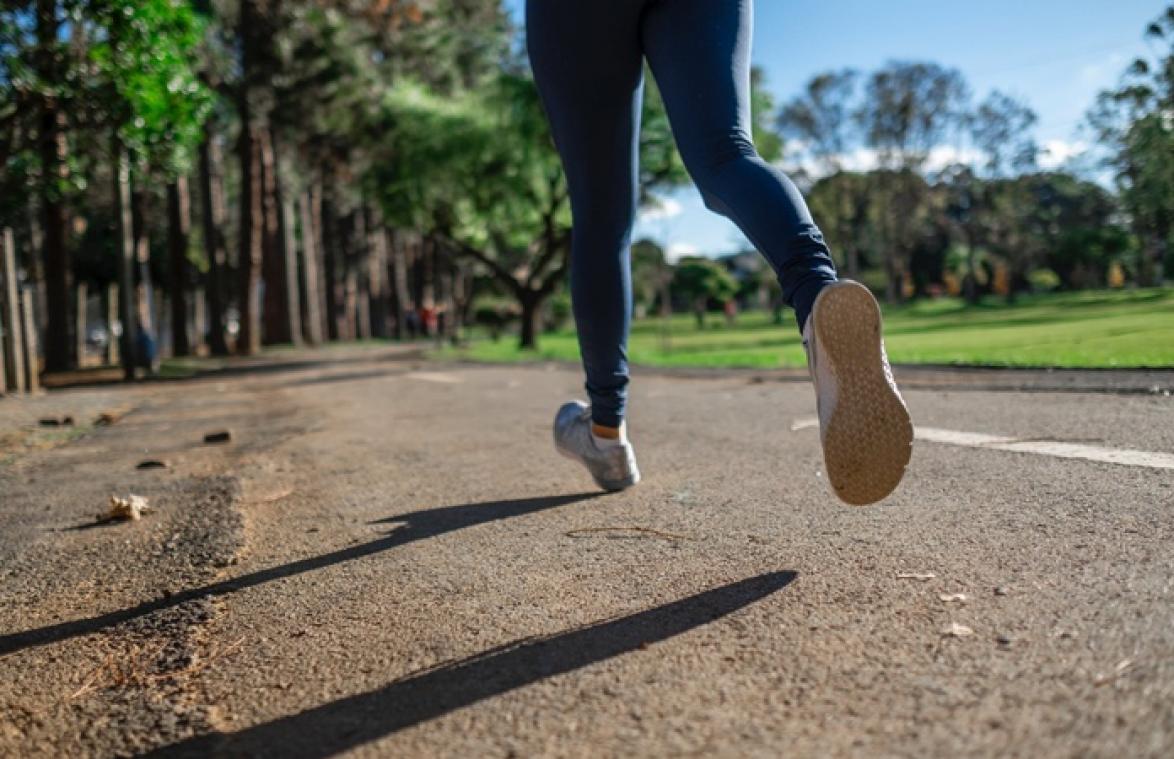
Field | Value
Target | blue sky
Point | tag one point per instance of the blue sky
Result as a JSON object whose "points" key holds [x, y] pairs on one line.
{"points": [[1054, 54]]}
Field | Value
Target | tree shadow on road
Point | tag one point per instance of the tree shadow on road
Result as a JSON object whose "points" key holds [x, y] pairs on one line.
{"points": [[417, 525], [353, 721]]}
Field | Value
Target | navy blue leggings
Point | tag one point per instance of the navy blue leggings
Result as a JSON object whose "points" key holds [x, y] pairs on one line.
{"points": [[587, 57]]}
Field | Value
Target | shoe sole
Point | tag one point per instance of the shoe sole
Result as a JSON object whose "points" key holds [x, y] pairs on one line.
{"points": [[609, 486], [869, 437]]}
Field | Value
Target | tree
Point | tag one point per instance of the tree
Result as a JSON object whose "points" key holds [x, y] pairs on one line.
{"points": [[844, 203], [479, 174], [699, 281], [822, 118], [77, 74], [651, 274], [1135, 125], [907, 111], [1000, 128]]}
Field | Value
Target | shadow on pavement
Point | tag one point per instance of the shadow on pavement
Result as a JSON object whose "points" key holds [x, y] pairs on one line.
{"points": [[417, 525], [353, 721], [233, 366]]}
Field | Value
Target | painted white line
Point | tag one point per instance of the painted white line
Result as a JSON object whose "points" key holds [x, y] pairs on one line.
{"points": [[1057, 449], [1122, 456], [445, 379]]}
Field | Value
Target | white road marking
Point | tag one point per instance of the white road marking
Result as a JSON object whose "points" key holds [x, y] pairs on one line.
{"points": [[1057, 449], [446, 379]]}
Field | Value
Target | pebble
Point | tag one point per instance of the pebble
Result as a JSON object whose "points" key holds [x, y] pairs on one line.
{"points": [[221, 436]]}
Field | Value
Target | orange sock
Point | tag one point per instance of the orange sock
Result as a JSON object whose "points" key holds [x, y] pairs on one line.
{"points": [[607, 433]]}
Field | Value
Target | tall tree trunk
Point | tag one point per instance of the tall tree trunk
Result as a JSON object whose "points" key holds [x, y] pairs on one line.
{"points": [[289, 248], [312, 303], [399, 250], [531, 305], [10, 315], [251, 190], [377, 277], [36, 268], [199, 320], [328, 226], [427, 268], [249, 266], [178, 237], [126, 261], [213, 218], [277, 301], [358, 325], [79, 331], [110, 309], [142, 248], [52, 150]]}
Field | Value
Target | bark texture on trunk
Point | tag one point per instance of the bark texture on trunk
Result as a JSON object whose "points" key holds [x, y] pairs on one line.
{"points": [[126, 262], [82, 292], [276, 306], [110, 309], [312, 304], [289, 249], [10, 318], [328, 227], [54, 219], [251, 251], [377, 279], [213, 215], [142, 255], [178, 238], [399, 251]]}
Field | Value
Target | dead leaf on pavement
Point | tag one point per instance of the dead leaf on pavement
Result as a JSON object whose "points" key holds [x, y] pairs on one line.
{"points": [[956, 630], [132, 508]]}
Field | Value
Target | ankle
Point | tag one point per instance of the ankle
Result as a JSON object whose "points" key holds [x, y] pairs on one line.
{"points": [[607, 433], [608, 437]]}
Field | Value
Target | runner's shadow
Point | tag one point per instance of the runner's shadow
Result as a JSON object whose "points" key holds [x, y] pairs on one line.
{"points": [[350, 722], [417, 525]]}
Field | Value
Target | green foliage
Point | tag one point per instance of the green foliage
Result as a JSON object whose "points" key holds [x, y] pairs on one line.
{"points": [[1135, 122], [699, 281], [650, 273], [143, 58]]}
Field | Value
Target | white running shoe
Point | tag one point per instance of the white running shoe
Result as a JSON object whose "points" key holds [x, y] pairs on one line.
{"points": [[612, 466], [864, 426]]}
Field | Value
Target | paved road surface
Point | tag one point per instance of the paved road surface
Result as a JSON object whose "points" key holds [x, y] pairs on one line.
{"points": [[389, 559]]}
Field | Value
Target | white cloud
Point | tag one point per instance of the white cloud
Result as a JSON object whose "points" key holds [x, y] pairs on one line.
{"points": [[1056, 153], [946, 155], [867, 159], [666, 208], [678, 250]]}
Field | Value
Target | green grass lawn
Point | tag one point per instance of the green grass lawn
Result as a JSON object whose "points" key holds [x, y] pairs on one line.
{"points": [[1132, 328]]}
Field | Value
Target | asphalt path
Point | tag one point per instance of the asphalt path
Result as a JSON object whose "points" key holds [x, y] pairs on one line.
{"points": [[389, 559]]}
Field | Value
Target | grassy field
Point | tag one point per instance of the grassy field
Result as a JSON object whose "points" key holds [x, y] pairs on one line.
{"points": [[1091, 329]]}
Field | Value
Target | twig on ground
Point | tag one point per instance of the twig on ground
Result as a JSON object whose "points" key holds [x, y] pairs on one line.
{"points": [[644, 530]]}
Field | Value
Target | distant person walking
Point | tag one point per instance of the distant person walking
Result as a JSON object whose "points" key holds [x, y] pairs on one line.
{"points": [[588, 57]]}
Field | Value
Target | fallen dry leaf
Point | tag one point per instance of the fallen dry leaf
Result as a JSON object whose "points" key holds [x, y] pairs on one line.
{"points": [[954, 597], [1122, 667], [922, 576], [956, 630], [132, 507]]}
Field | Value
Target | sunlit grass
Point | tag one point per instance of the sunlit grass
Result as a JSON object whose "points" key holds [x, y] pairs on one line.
{"points": [[1132, 328]]}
